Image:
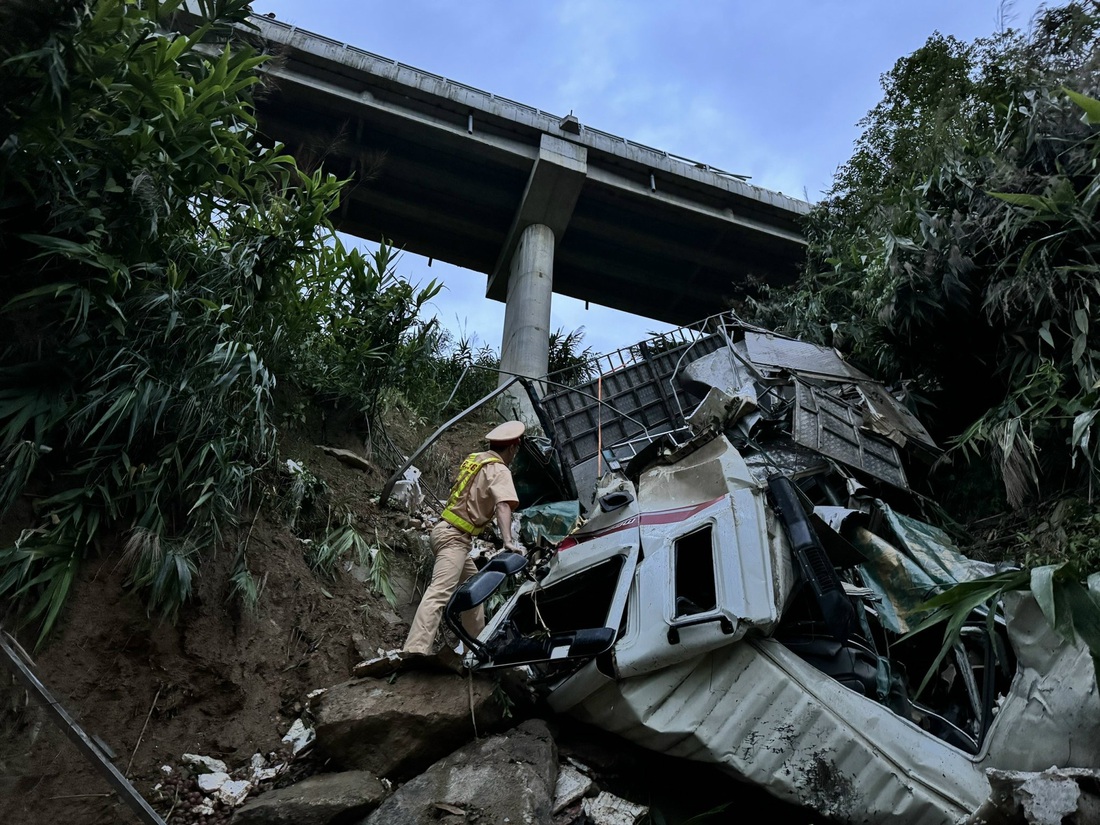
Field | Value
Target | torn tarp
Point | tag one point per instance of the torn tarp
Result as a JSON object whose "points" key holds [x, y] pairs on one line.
{"points": [[922, 563]]}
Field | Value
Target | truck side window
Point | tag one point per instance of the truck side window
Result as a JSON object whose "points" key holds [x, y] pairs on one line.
{"points": [[693, 557]]}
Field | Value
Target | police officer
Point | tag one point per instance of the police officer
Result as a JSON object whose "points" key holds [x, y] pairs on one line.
{"points": [[484, 489]]}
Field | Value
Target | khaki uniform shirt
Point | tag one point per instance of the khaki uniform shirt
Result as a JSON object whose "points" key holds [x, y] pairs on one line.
{"points": [[492, 485]]}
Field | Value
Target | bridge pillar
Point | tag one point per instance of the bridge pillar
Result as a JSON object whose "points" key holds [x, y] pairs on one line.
{"points": [[524, 347], [527, 259]]}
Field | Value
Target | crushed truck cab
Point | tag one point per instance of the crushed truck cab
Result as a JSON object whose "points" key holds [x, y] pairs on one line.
{"points": [[737, 588]]}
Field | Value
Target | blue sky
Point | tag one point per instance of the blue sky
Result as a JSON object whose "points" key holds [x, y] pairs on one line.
{"points": [[773, 90]]}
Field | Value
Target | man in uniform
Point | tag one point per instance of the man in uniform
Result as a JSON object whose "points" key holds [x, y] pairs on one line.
{"points": [[484, 489]]}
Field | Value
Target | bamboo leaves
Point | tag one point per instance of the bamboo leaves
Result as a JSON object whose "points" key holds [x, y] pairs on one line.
{"points": [[150, 241]]}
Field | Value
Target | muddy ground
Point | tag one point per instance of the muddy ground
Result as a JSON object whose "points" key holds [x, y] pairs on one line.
{"points": [[222, 680]]}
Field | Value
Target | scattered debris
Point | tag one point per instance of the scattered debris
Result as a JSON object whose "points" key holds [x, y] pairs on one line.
{"points": [[608, 809], [211, 782], [299, 737], [407, 494], [1055, 796], [204, 764], [572, 785]]}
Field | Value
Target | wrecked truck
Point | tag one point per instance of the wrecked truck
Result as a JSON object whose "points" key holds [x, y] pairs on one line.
{"points": [[729, 564]]}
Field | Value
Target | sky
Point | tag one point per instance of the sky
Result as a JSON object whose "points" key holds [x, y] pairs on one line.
{"points": [[772, 89]]}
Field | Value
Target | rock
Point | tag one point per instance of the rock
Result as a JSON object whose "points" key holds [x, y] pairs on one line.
{"points": [[347, 457], [571, 786], [608, 809], [399, 728], [508, 778], [204, 764], [318, 800]]}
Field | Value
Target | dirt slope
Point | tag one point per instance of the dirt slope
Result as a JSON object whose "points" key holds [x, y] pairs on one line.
{"points": [[221, 681]]}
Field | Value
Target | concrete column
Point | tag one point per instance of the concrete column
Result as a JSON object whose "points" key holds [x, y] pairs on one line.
{"points": [[525, 346]]}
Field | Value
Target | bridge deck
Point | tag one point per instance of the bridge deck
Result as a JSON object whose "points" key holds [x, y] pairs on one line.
{"points": [[445, 170]]}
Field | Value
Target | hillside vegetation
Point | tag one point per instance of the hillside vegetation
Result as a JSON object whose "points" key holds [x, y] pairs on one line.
{"points": [[175, 293]]}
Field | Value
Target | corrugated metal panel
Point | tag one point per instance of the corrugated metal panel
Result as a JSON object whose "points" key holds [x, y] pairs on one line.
{"points": [[828, 424], [767, 350], [769, 718]]}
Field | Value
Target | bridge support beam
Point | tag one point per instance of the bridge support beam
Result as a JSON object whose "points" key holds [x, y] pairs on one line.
{"points": [[524, 272], [524, 348]]}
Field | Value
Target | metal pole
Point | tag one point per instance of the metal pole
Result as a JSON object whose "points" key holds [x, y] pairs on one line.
{"points": [[70, 728]]}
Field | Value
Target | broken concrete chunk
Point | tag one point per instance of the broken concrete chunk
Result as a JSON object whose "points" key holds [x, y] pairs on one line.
{"points": [[608, 809], [299, 737], [260, 771], [234, 792], [406, 494], [572, 785], [211, 782], [204, 764], [1051, 797]]}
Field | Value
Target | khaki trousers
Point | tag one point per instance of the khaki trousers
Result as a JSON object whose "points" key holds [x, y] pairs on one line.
{"points": [[453, 566]]}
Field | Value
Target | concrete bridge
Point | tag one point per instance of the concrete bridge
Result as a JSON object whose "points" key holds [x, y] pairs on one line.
{"points": [[538, 202]]}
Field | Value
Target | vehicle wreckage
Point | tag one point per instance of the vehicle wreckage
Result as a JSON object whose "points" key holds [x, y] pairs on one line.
{"points": [[729, 567]]}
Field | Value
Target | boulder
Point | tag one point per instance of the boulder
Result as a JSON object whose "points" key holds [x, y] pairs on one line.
{"points": [[507, 778], [397, 729], [324, 799]]}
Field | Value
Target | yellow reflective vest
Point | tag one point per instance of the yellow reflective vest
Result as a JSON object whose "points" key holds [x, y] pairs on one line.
{"points": [[466, 472]]}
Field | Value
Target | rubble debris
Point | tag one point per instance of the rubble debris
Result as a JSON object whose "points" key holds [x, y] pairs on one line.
{"points": [[234, 791], [204, 764], [608, 809], [299, 737], [1056, 796], [406, 494], [211, 782], [393, 729], [317, 800], [504, 778], [261, 772], [571, 786]]}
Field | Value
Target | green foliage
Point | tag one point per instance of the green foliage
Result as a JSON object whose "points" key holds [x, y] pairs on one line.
{"points": [[150, 241], [568, 363], [449, 373], [346, 541], [354, 325], [1069, 599], [303, 489], [380, 557], [957, 250]]}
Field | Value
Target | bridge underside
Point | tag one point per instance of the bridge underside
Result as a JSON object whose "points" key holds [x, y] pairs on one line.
{"points": [[457, 175]]}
